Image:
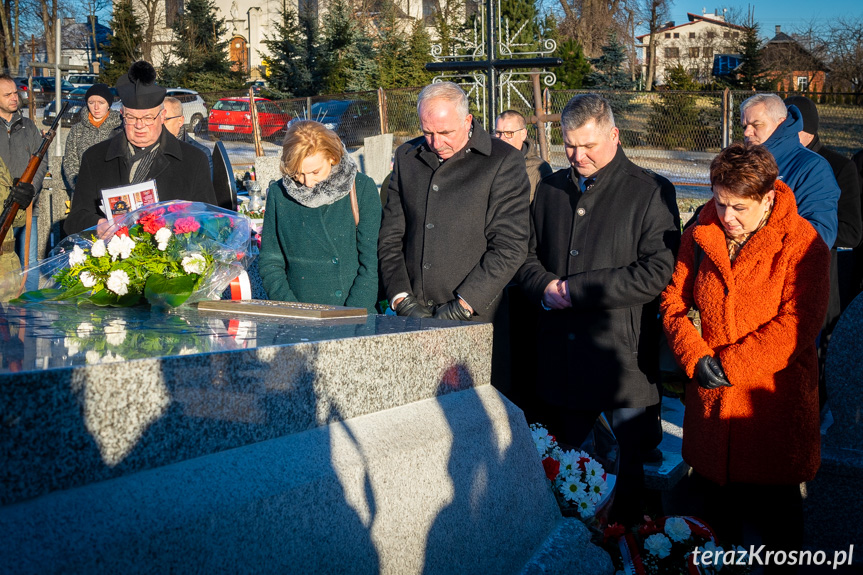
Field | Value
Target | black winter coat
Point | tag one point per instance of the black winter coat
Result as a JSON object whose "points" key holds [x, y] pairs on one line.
{"points": [[615, 244], [181, 173], [457, 227]]}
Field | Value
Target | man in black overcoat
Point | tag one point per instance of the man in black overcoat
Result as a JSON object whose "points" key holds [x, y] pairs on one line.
{"points": [[143, 151], [604, 234], [455, 225]]}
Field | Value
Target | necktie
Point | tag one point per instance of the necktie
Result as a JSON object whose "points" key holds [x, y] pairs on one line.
{"points": [[587, 183]]}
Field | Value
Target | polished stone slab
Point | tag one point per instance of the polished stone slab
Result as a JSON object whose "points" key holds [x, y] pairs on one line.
{"points": [[93, 393]]}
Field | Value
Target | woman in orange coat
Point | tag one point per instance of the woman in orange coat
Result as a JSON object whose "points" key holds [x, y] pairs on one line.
{"points": [[759, 277]]}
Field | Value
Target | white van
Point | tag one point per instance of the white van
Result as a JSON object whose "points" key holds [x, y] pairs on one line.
{"points": [[82, 80]]}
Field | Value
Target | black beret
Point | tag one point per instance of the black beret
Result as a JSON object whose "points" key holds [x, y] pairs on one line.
{"points": [[101, 90], [808, 110], [138, 89]]}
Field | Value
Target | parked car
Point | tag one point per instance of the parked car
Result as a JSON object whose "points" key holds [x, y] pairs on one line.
{"points": [[82, 80], [76, 104], [24, 91], [194, 108], [232, 116], [352, 120], [47, 83]]}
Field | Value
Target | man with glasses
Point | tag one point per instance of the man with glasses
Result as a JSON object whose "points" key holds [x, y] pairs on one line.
{"points": [[511, 127], [175, 123], [143, 151]]}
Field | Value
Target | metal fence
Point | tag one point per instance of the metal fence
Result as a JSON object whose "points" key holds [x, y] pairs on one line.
{"points": [[673, 133]]}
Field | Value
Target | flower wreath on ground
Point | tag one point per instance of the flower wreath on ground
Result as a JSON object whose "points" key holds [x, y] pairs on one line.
{"points": [[579, 483], [168, 253], [668, 546]]}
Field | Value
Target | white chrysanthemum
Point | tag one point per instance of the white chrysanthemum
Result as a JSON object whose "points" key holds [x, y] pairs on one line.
{"points": [[112, 358], [717, 551], [595, 491], [677, 529], [659, 545], [592, 468], [77, 257], [569, 463], [92, 356], [85, 329], [98, 249], [187, 350], [88, 279], [586, 507], [118, 282], [572, 489], [194, 264], [163, 235], [115, 332]]}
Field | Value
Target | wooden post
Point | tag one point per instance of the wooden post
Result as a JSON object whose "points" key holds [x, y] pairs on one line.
{"points": [[256, 128], [539, 111], [727, 120], [382, 110]]}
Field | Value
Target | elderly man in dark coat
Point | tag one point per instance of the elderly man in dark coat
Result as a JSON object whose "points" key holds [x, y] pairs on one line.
{"points": [[143, 151], [604, 234], [454, 229]]}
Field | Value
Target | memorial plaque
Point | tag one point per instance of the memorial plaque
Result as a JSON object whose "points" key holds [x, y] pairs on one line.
{"points": [[283, 309]]}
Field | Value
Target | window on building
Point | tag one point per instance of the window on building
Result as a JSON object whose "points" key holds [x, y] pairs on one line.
{"points": [[672, 53], [677, 34], [692, 34], [707, 52], [735, 34], [693, 52], [173, 10], [711, 35], [802, 83], [726, 34], [668, 34]]}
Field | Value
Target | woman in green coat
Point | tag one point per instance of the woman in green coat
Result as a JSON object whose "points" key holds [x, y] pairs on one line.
{"points": [[313, 249]]}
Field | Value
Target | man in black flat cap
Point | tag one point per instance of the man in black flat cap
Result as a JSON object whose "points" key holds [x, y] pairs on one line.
{"points": [[143, 151]]}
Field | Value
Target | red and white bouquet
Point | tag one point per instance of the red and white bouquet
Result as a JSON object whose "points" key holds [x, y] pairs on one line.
{"points": [[166, 253], [578, 481]]}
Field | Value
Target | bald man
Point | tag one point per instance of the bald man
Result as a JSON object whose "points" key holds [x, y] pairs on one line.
{"points": [[175, 123]]}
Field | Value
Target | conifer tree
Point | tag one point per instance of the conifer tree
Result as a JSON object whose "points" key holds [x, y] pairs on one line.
{"points": [[575, 69], [286, 59], [609, 72], [516, 13], [391, 48], [123, 44], [749, 73], [417, 54]]}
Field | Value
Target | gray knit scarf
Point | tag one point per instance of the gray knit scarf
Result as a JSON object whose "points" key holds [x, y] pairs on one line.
{"points": [[335, 187]]}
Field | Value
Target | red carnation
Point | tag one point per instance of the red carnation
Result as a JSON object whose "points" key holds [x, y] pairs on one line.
{"points": [[582, 461], [152, 222], [649, 528], [124, 231], [613, 531], [181, 207], [551, 466], [186, 225]]}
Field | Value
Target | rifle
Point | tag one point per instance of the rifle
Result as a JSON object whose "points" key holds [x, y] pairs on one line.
{"points": [[11, 207]]}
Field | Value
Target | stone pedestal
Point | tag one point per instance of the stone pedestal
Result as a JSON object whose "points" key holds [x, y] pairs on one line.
{"points": [[833, 505], [141, 441]]}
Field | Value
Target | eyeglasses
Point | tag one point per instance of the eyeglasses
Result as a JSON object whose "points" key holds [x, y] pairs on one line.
{"points": [[133, 120], [507, 133], [172, 117]]}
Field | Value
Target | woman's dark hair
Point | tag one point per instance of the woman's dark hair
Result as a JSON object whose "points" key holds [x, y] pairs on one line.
{"points": [[744, 170]]}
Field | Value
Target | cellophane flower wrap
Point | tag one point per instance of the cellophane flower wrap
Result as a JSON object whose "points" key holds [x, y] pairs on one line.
{"points": [[166, 254], [579, 482]]}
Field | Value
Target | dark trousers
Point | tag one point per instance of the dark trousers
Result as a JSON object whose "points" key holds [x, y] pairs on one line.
{"points": [[638, 430], [749, 514]]}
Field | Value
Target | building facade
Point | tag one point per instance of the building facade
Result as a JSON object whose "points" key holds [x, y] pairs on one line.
{"points": [[692, 45]]}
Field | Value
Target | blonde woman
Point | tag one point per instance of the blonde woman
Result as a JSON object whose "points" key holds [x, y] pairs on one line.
{"points": [[317, 247]]}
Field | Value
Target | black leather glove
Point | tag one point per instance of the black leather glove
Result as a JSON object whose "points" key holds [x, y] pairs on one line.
{"points": [[452, 310], [411, 307], [22, 194], [709, 373]]}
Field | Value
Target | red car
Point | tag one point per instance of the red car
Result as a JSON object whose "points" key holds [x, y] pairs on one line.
{"points": [[232, 116]]}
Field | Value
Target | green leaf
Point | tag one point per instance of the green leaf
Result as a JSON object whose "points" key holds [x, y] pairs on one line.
{"points": [[38, 296], [164, 292]]}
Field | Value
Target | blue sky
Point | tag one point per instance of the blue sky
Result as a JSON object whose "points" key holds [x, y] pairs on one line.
{"points": [[790, 14]]}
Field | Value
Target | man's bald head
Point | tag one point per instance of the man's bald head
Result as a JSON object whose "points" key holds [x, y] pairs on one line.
{"points": [[174, 119]]}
